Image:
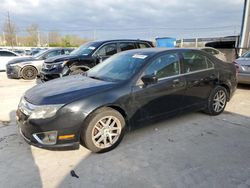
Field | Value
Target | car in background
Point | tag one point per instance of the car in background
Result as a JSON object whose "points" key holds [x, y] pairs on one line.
{"points": [[29, 68], [87, 56], [20, 52], [124, 92], [243, 67], [215, 53], [5, 56]]}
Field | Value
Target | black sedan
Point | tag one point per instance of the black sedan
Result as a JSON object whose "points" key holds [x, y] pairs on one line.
{"points": [[122, 93]]}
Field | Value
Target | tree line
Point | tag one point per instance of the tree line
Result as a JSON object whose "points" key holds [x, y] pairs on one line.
{"points": [[32, 36]]}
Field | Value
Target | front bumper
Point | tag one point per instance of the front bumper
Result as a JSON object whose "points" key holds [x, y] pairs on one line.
{"points": [[46, 75], [243, 78], [13, 71], [64, 124]]}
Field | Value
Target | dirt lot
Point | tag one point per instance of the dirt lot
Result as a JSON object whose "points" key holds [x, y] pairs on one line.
{"points": [[192, 150]]}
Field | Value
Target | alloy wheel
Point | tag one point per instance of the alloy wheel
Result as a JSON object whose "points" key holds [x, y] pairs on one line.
{"points": [[219, 101], [106, 132]]}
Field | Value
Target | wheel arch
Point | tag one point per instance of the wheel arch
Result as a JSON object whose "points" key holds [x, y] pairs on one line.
{"points": [[227, 89], [75, 66], [114, 107], [29, 65]]}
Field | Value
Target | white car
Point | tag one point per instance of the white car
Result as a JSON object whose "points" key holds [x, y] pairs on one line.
{"points": [[5, 57]]}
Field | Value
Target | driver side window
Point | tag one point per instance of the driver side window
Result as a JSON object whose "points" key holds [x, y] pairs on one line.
{"points": [[107, 50], [164, 66]]}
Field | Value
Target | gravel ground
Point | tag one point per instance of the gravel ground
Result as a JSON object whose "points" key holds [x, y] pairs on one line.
{"points": [[192, 150]]}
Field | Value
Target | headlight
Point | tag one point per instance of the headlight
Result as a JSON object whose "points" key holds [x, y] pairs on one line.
{"points": [[13, 65], [60, 63], [43, 112]]}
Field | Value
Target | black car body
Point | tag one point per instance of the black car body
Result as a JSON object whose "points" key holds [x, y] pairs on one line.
{"points": [[87, 56], [30, 67], [133, 87]]}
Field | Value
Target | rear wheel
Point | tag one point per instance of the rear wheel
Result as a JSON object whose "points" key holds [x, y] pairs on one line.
{"points": [[103, 130], [29, 73], [217, 101]]}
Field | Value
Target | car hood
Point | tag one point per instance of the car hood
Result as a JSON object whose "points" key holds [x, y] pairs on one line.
{"points": [[66, 90], [61, 58], [21, 59]]}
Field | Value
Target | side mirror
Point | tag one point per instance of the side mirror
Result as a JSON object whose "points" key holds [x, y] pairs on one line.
{"points": [[149, 79]]}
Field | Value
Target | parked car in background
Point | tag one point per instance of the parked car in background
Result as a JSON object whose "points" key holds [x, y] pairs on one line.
{"points": [[5, 56], [87, 56], [20, 52], [29, 67], [215, 53], [125, 91], [243, 67]]}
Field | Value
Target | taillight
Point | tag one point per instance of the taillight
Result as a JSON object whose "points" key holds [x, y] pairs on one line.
{"points": [[237, 67]]}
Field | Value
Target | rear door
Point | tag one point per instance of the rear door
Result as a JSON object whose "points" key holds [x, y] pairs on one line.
{"points": [[165, 96], [200, 76]]}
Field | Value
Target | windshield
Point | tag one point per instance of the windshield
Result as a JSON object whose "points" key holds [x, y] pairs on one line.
{"points": [[85, 49], [247, 54], [39, 54], [119, 67]]}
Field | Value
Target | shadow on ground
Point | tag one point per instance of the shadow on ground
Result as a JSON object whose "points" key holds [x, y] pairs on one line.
{"points": [[17, 165], [192, 150]]}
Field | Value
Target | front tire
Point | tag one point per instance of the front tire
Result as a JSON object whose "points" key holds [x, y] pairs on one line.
{"points": [[29, 73], [75, 70], [217, 101], [103, 130]]}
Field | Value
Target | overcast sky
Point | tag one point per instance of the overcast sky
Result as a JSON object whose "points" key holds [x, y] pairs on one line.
{"points": [[128, 18]]}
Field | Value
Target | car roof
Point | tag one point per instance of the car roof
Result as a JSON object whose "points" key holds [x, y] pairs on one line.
{"points": [[158, 50], [121, 40]]}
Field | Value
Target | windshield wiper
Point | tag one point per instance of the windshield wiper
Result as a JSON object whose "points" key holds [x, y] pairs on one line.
{"points": [[94, 77]]}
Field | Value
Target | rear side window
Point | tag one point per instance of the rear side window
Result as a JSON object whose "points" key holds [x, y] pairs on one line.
{"points": [[107, 50], [164, 66], [7, 54], [194, 61], [144, 45], [127, 46]]}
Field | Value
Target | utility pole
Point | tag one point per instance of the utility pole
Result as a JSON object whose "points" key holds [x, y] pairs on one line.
{"points": [[245, 28], [10, 29]]}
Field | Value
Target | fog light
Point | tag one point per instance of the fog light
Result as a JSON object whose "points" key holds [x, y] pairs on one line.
{"points": [[46, 138]]}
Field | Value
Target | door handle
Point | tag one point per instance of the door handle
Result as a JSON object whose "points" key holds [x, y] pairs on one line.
{"points": [[176, 82]]}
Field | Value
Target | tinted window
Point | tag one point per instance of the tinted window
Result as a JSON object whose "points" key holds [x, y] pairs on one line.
{"points": [[53, 53], [127, 46], [5, 53], [194, 61], [144, 45], [107, 50], [246, 55], [164, 66], [67, 51]]}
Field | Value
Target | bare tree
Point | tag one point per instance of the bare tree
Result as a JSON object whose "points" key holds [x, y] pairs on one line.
{"points": [[33, 38], [9, 32]]}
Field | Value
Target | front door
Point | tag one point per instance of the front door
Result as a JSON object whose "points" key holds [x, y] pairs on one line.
{"points": [[165, 96]]}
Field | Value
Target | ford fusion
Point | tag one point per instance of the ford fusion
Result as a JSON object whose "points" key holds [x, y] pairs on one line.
{"points": [[121, 93]]}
